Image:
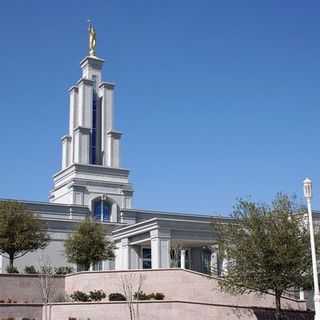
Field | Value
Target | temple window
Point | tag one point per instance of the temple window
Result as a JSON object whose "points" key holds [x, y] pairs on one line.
{"points": [[101, 210]]}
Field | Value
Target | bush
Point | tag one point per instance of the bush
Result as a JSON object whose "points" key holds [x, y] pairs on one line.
{"points": [[158, 296], [117, 297], [12, 269], [140, 295], [63, 270], [30, 270], [80, 296], [97, 295]]}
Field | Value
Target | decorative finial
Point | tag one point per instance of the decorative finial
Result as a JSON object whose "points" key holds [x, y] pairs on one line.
{"points": [[92, 39]]}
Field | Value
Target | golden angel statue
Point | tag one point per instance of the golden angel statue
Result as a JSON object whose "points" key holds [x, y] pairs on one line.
{"points": [[92, 40]]}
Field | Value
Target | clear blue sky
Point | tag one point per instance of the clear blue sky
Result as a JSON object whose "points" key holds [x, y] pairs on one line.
{"points": [[216, 99]]}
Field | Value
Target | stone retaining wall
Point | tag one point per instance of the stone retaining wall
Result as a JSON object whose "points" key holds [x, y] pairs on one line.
{"points": [[20, 311], [176, 284], [23, 288], [168, 310]]}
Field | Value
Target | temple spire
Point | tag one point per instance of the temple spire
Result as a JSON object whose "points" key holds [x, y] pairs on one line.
{"points": [[92, 39]]}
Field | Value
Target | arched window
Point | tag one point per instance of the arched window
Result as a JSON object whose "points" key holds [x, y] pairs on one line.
{"points": [[101, 209]]}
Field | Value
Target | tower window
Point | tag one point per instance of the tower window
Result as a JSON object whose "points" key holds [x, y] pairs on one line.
{"points": [[101, 210], [94, 123]]}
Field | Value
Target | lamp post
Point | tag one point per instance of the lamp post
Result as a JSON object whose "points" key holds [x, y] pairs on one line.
{"points": [[307, 188]]}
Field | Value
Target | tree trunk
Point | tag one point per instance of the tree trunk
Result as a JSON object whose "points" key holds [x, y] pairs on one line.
{"points": [[278, 295]]}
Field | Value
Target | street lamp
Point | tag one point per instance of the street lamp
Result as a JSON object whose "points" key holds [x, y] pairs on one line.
{"points": [[307, 188]]}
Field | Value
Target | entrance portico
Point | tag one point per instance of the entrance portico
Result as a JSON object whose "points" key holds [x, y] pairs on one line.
{"points": [[166, 243]]}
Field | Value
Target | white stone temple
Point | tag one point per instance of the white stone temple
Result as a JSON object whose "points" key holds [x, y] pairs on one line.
{"points": [[92, 182]]}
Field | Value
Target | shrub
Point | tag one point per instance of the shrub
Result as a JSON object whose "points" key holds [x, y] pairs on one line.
{"points": [[80, 296], [140, 295], [117, 297], [97, 295], [30, 270], [12, 269], [158, 296], [63, 270]]}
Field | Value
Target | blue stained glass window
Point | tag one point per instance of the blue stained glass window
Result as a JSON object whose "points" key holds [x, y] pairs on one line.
{"points": [[97, 209], [94, 123], [101, 210]]}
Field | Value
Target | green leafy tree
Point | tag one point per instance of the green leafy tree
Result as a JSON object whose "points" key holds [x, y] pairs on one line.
{"points": [[20, 231], [88, 245], [267, 248]]}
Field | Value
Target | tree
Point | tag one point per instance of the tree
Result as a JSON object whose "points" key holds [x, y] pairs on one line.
{"points": [[20, 231], [47, 286], [88, 245], [131, 284], [267, 248]]}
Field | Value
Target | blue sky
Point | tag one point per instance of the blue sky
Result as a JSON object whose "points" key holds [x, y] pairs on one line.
{"points": [[216, 99]]}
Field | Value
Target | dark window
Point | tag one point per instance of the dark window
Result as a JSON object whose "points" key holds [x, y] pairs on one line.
{"points": [[101, 210], [93, 142], [146, 258]]}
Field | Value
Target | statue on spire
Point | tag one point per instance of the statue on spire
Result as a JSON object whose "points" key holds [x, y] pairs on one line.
{"points": [[92, 39]]}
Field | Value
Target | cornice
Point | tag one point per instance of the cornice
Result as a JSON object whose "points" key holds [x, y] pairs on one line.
{"points": [[85, 81], [82, 130], [74, 87], [108, 85], [114, 134], [91, 168], [66, 137], [91, 60]]}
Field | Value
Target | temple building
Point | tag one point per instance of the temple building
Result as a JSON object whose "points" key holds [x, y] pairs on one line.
{"points": [[92, 182]]}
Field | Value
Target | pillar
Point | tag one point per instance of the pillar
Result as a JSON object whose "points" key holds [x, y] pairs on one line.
{"points": [[214, 260], [113, 149], [66, 144], [160, 249], [301, 294], [125, 254], [82, 145], [118, 256], [106, 92], [85, 103], [73, 118], [183, 258]]}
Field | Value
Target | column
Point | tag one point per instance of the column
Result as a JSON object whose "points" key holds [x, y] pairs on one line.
{"points": [[113, 149], [66, 143], [183, 258], [224, 267], [301, 294], [125, 265], [106, 92], [155, 250], [73, 116], [85, 97], [118, 256], [82, 145], [214, 260], [160, 249], [127, 199]]}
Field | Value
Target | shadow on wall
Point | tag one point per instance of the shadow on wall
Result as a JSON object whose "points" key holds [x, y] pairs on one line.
{"points": [[269, 314]]}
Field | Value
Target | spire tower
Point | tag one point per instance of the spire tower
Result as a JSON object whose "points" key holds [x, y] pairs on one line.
{"points": [[91, 150]]}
